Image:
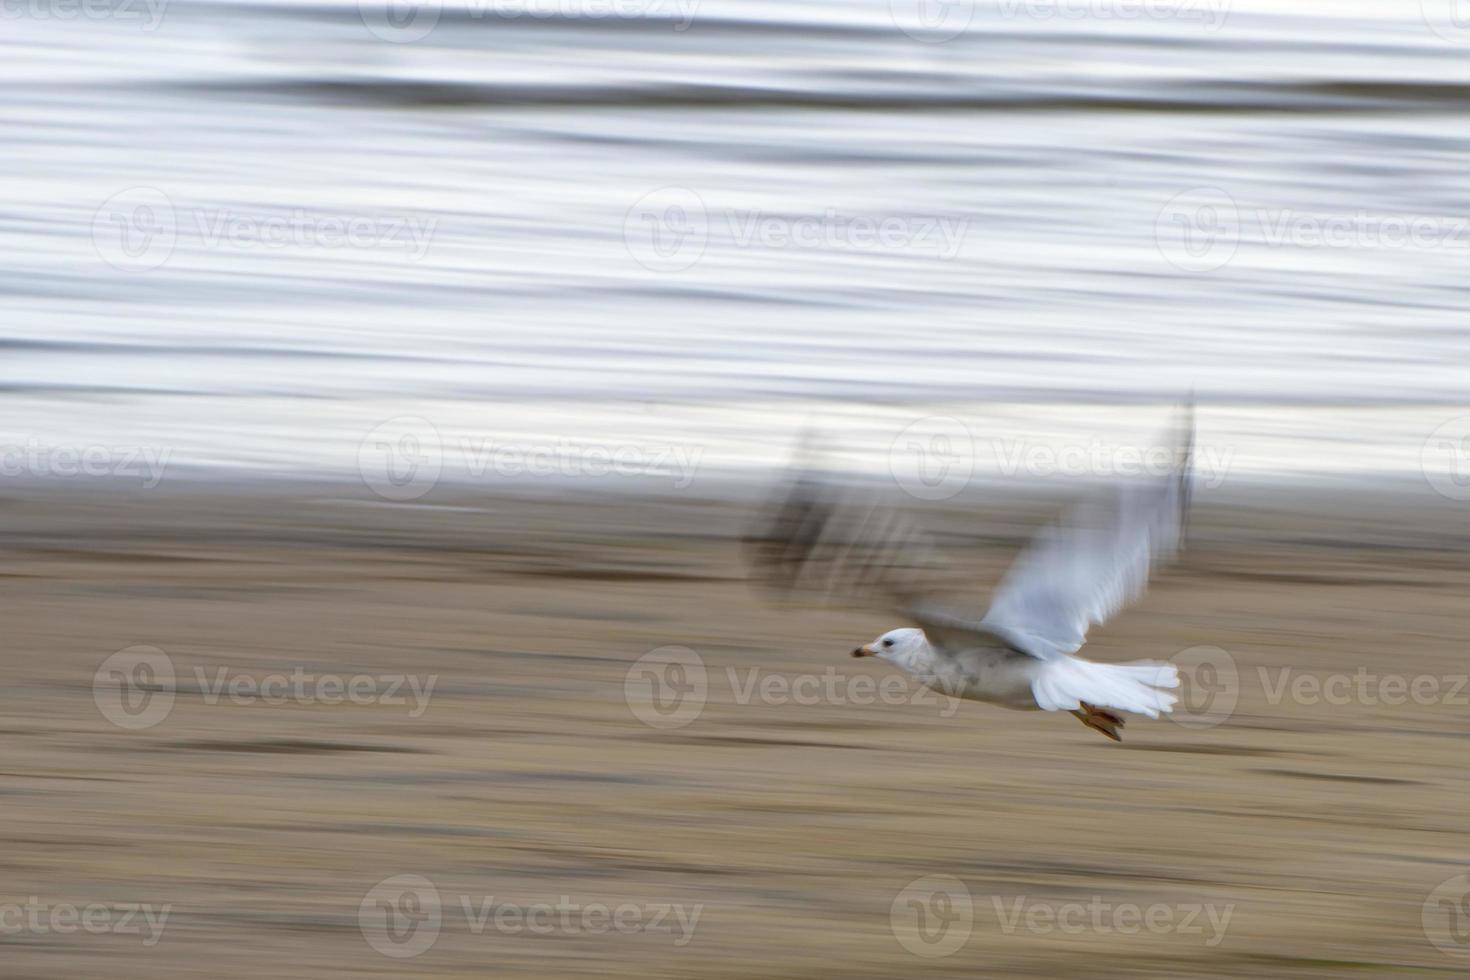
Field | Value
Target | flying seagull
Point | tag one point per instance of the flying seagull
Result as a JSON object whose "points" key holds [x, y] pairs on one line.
{"points": [[1021, 654]]}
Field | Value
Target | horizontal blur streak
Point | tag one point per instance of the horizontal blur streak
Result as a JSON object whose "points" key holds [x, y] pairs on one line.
{"points": [[1014, 223]]}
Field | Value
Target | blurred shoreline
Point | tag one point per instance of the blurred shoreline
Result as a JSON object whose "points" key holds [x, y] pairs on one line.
{"points": [[1361, 512]]}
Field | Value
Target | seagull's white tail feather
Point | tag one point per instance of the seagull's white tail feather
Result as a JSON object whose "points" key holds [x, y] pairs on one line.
{"points": [[1062, 684]]}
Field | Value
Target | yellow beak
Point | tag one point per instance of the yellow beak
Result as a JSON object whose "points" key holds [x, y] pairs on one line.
{"points": [[866, 650]]}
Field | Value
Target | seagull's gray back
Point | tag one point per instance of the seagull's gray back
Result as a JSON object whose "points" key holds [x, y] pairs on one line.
{"points": [[985, 671]]}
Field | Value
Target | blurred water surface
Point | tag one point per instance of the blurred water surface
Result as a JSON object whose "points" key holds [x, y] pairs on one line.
{"points": [[252, 232]]}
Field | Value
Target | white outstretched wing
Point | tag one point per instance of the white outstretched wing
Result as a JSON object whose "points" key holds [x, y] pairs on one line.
{"points": [[1085, 568]]}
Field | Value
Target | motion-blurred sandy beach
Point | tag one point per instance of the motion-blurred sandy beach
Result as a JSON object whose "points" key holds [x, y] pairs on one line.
{"points": [[786, 827]]}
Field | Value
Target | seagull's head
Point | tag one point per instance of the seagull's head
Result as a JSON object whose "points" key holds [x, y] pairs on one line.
{"points": [[894, 645]]}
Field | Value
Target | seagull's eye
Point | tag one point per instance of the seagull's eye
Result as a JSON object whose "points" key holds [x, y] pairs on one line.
{"points": [[888, 643]]}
